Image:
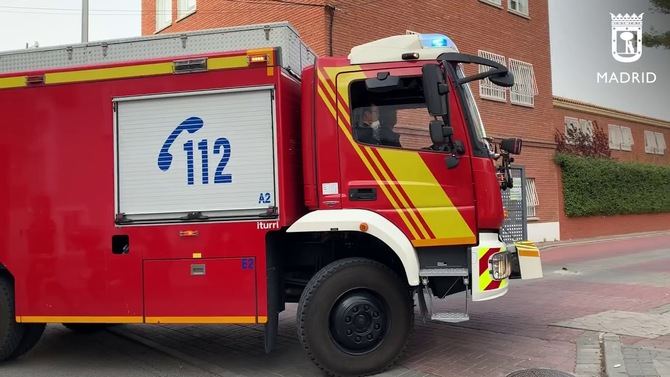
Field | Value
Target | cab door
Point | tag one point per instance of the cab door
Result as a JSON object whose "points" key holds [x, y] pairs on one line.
{"points": [[398, 175]]}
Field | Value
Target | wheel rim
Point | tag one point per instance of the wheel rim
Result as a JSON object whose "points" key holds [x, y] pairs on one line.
{"points": [[358, 321]]}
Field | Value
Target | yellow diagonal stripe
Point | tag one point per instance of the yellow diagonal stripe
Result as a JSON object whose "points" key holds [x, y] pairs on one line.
{"points": [[328, 87], [426, 195], [379, 181], [354, 73], [328, 104], [397, 192]]}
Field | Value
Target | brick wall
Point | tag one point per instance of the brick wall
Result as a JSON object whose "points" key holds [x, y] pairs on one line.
{"points": [[310, 19], [595, 226], [581, 227]]}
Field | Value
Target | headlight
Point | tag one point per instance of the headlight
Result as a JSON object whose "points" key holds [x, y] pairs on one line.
{"points": [[500, 266]]}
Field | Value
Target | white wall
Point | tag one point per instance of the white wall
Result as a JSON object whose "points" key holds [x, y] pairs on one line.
{"points": [[544, 232]]}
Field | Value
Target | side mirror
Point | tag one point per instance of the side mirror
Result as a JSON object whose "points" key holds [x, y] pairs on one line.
{"points": [[512, 145], [382, 83], [435, 90], [439, 134], [506, 80]]}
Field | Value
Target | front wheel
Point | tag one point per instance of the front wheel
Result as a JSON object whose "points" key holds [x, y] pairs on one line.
{"points": [[11, 333], [31, 335], [354, 317]]}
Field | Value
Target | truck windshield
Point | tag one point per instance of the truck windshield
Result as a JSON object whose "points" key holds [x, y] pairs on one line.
{"points": [[473, 111]]}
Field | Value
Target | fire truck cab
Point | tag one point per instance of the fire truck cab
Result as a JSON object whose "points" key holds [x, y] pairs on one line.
{"points": [[216, 176]]}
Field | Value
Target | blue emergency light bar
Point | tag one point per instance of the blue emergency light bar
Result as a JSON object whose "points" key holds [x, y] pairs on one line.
{"points": [[436, 41]]}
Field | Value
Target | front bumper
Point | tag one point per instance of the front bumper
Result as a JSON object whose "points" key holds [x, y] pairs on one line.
{"points": [[490, 267]]}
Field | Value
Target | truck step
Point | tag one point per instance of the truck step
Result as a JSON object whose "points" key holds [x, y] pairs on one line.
{"points": [[446, 271], [450, 317]]}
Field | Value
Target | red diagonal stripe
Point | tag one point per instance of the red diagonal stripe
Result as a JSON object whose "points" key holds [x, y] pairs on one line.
{"points": [[484, 261], [493, 285]]}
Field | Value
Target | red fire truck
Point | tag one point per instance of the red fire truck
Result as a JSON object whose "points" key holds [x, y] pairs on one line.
{"points": [[215, 176]]}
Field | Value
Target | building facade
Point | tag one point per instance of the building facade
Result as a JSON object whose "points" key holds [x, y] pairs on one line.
{"points": [[513, 32], [631, 138]]}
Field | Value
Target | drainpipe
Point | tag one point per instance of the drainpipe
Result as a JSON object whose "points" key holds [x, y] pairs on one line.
{"points": [[331, 20]]}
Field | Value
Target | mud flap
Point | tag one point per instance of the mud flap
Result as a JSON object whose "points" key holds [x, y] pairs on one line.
{"points": [[526, 261]]}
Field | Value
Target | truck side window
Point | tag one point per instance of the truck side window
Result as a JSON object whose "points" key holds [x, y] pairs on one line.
{"points": [[397, 118]]}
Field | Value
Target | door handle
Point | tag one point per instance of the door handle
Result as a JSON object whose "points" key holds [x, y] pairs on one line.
{"points": [[366, 193]]}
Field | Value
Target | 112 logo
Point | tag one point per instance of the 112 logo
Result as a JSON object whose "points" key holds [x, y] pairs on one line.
{"points": [[221, 147]]}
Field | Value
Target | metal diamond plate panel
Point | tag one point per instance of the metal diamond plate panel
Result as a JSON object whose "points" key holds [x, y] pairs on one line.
{"points": [[295, 55], [514, 201]]}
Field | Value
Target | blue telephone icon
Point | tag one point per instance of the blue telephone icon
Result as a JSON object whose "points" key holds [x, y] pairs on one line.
{"points": [[191, 125]]}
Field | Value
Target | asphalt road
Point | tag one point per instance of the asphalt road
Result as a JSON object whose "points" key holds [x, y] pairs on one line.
{"points": [[539, 323]]}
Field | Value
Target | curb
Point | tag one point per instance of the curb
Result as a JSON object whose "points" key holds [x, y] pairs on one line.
{"points": [[589, 355], [613, 356], [587, 241]]}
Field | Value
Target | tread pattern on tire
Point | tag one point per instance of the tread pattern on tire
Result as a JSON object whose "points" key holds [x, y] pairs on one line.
{"points": [[12, 333], [31, 335], [308, 294]]}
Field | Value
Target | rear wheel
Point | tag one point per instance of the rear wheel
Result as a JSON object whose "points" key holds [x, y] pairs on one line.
{"points": [[11, 332], [31, 335], [354, 317], [86, 328]]}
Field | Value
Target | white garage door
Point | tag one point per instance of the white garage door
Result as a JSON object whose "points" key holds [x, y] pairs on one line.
{"points": [[206, 155]]}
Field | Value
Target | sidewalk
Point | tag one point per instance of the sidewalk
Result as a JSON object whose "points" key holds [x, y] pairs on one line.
{"points": [[625, 349], [585, 241], [631, 342]]}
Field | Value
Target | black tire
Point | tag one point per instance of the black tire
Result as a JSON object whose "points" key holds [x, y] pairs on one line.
{"points": [[31, 335], [11, 332], [86, 328], [348, 298]]}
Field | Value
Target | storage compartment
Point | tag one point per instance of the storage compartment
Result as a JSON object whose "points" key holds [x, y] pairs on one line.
{"points": [[196, 156], [200, 291]]}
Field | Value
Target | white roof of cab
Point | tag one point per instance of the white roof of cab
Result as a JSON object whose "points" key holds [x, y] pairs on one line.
{"points": [[391, 49]]}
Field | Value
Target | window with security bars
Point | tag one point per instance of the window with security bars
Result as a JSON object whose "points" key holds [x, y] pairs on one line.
{"points": [[163, 14], [571, 124], [620, 137], [494, 2], [574, 125], [487, 89], [518, 6], [532, 201], [525, 88], [587, 127], [654, 142], [185, 8]]}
